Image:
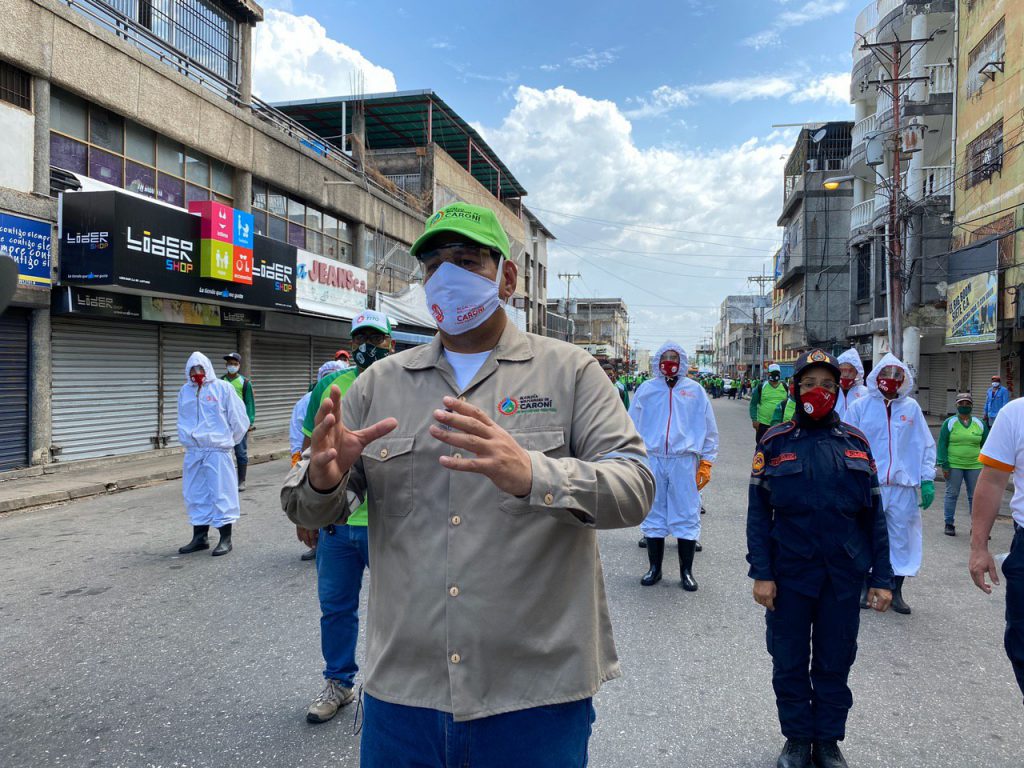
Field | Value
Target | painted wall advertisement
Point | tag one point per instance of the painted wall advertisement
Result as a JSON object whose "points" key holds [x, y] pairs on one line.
{"points": [[27, 241], [972, 310], [73, 300], [326, 287]]}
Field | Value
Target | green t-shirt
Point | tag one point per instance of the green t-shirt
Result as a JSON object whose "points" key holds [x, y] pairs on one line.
{"points": [[344, 379]]}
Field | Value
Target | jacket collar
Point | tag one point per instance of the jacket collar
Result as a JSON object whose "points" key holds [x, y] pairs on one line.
{"points": [[513, 345]]}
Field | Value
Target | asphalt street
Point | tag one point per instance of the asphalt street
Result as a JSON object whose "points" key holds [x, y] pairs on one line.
{"points": [[117, 651]]}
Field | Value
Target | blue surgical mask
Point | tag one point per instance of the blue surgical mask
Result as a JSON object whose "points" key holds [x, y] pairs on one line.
{"points": [[461, 300]]}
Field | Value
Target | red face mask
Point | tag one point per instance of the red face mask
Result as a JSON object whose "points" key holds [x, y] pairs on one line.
{"points": [[888, 386], [847, 384], [198, 378], [818, 403], [669, 368]]}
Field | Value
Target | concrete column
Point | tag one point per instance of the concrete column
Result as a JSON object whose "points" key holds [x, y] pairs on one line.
{"points": [[358, 259], [919, 31], [245, 63], [40, 387], [41, 149], [245, 350], [241, 190]]}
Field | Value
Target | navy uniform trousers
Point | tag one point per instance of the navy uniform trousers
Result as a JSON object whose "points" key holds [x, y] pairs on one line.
{"points": [[1013, 638]]}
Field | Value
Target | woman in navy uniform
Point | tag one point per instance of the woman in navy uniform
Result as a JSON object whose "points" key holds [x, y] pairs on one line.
{"points": [[815, 528]]}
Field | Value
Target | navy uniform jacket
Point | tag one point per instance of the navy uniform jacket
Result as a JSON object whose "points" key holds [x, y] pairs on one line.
{"points": [[815, 511]]}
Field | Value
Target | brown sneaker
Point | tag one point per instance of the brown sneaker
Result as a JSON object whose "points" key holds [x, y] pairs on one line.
{"points": [[333, 697]]}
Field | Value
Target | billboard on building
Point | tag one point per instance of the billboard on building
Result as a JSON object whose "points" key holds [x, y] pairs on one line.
{"points": [[327, 287], [972, 310], [27, 241]]}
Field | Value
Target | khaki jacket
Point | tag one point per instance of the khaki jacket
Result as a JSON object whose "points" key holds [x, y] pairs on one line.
{"points": [[483, 603]]}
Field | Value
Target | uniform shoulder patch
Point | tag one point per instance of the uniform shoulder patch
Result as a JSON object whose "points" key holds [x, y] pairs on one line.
{"points": [[757, 467]]}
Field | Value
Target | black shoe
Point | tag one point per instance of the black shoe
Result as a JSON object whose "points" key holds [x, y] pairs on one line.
{"points": [[655, 555], [686, 549], [309, 554], [224, 545], [643, 542], [950, 529], [796, 754], [702, 510], [826, 754], [199, 540], [699, 548], [242, 470], [898, 603], [864, 596]]}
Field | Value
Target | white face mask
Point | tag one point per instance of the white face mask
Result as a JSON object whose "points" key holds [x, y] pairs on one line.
{"points": [[232, 369], [461, 300], [995, 385]]}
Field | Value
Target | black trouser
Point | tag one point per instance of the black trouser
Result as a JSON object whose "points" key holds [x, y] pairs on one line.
{"points": [[813, 642], [1013, 638], [761, 429]]}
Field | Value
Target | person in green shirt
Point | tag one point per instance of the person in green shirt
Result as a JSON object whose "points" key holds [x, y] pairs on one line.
{"points": [[765, 398], [243, 387], [785, 411], [960, 440], [617, 382], [342, 551]]}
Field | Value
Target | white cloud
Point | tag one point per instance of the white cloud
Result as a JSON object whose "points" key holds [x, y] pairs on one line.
{"points": [[835, 89], [748, 88], [577, 155], [293, 58], [593, 60], [806, 13]]}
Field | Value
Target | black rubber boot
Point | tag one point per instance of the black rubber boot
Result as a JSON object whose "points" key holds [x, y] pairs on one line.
{"points": [[224, 545], [309, 554], [686, 549], [826, 754], [796, 754], [242, 469], [655, 555], [643, 542], [199, 540], [864, 596], [898, 603]]}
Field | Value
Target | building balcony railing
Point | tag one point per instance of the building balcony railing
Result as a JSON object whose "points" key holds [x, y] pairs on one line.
{"points": [[884, 104], [862, 214], [941, 78], [862, 128], [936, 181], [885, 7]]}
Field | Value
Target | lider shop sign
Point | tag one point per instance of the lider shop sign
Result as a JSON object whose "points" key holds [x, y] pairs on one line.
{"points": [[115, 239]]}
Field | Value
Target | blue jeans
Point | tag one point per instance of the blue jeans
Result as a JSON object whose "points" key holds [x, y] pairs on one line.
{"points": [[396, 736], [342, 553], [970, 479], [242, 451]]}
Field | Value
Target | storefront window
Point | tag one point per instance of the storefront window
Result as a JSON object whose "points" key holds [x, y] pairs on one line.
{"points": [[291, 220], [92, 141]]}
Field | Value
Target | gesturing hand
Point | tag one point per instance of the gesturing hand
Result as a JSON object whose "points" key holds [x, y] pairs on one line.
{"points": [[498, 456], [982, 564], [333, 448], [764, 593], [879, 599]]}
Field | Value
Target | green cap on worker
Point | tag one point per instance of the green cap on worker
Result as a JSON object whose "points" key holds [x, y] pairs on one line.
{"points": [[473, 222], [370, 319]]}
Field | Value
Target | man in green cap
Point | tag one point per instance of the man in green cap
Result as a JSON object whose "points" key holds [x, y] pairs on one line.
{"points": [[489, 459]]}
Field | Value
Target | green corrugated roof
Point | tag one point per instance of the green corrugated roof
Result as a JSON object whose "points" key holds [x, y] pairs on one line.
{"points": [[399, 120]]}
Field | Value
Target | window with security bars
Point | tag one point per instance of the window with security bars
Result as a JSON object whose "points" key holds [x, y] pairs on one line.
{"points": [[985, 155], [15, 86]]}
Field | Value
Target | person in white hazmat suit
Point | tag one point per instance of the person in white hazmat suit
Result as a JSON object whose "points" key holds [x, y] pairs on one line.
{"points": [[295, 433], [904, 452], [851, 382], [211, 422], [673, 416]]}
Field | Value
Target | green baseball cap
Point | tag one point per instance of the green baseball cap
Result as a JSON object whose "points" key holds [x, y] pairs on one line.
{"points": [[474, 222]]}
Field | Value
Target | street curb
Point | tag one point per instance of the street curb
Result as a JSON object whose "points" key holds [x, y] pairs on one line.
{"points": [[93, 488]]}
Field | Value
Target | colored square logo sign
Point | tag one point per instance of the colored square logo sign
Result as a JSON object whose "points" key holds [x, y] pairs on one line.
{"points": [[226, 242]]}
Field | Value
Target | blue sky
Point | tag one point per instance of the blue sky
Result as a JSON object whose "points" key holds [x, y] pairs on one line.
{"points": [[633, 119]]}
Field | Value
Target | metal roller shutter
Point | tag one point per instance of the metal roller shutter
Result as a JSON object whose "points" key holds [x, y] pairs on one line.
{"points": [[178, 342], [280, 376], [984, 365], [941, 382], [104, 388], [323, 350], [14, 359], [924, 382]]}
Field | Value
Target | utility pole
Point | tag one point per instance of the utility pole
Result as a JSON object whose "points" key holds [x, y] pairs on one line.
{"points": [[762, 280], [568, 277], [891, 56]]}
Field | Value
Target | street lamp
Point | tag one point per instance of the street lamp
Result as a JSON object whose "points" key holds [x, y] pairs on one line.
{"points": [[835, 182]]}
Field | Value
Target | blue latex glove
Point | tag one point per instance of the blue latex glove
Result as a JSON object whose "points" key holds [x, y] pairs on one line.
{"points": [[927, 494]]}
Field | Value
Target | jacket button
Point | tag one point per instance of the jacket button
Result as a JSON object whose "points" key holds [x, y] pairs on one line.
{"points": [[549, 499], [455, 658], [383, 453], [462, 398], [454, 591], [456, 520]]}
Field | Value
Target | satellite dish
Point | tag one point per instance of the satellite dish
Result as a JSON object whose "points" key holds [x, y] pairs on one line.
{"points": [[819, 135], [8, 280]]}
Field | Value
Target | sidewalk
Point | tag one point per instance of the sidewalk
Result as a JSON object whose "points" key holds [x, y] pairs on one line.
{"points": [[56, 483]]}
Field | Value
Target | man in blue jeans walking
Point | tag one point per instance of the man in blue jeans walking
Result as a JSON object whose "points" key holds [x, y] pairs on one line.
{"points": [[342, 551]]}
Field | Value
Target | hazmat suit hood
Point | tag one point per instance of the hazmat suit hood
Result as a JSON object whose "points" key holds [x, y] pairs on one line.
{"points": [[890, 359], [684, 360], [852, 357], [198, 358], [330, 367]]}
